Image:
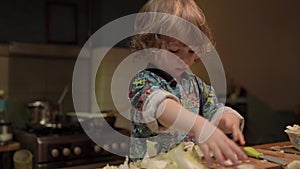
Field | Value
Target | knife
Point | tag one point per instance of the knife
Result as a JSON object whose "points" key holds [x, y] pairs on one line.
{"points": [[251, 152]]}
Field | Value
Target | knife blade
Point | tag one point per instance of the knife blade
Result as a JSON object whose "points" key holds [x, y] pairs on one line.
{"points": [[251, 152]]}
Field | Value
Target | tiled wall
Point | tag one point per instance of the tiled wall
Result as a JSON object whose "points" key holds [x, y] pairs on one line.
{"points": [[37, 78], [105, 72], [4, 67]]}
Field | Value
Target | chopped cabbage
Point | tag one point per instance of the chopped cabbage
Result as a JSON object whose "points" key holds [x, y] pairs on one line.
{"points": [[293, 165], [177, 158], [293, 129]]}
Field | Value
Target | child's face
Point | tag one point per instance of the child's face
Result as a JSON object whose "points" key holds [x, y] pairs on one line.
{"points": [[172, 64], [182, 51]]}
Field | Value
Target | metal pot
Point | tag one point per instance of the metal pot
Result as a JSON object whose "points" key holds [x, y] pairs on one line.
{"points": [[5, 132], [42, 113]]}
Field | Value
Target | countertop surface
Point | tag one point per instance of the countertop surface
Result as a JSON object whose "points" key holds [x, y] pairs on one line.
{"points": [[10, 147], [266, 149]]}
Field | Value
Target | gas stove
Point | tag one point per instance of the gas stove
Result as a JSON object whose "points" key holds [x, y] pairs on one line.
{"points": [[61, 148]]}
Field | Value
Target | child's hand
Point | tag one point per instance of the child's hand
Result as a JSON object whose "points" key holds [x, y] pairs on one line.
{"points": [[222, 148], [230, 123], [210, 138]]}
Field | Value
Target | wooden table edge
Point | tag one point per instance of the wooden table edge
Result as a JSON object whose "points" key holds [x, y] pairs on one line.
{"points": [[10, 147]]}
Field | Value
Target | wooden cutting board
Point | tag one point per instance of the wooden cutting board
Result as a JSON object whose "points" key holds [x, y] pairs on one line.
{"points": [[287, 149], [284, 156], [260, 164]]}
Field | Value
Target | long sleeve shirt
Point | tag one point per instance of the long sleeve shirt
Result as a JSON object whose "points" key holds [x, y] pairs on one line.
{"points": [[146, 92]]}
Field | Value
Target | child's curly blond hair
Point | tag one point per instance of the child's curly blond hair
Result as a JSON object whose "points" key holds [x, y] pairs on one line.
{"points": [[185, 9]]}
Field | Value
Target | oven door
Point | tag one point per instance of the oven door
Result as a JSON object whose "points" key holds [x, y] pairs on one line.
{"points": [[83, 163], [93, 166], [87, 166]]}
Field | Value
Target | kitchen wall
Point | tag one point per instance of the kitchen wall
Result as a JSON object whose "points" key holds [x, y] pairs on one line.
{"points": [[38, 79], [256, 40], [4, 66], [30, 73], [37, 72], [245, 35], [258, 44], [26, 21]]}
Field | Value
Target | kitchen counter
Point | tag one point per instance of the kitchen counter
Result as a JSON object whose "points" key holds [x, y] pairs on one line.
{"points": [[6, 155], [10, 147], [266, 149]]}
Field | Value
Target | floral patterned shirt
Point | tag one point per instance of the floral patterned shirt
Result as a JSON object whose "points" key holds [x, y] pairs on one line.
{"points": [[143, 85]]}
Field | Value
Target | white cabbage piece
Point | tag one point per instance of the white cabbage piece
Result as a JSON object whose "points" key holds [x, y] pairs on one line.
{"points": [[158, 164], [245, 166], [186, 155], [293, 165], [179, 158], [293, 129], [183, 156], [110, 167]]}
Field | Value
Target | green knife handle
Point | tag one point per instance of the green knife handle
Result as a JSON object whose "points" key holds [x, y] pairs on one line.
{"points": [[251, 152]]}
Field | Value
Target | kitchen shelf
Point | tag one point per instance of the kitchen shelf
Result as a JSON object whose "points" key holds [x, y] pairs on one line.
{"points": [[39, 50]]}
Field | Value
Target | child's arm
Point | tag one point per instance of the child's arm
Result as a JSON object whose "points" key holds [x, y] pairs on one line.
{"points": [[210, 139], [227, 119]]}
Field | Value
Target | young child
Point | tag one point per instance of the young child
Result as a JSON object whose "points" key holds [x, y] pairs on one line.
{"points": [[169, 103]]}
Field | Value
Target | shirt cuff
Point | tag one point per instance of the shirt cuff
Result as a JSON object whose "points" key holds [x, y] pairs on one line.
{"points": [[150, 107]]}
